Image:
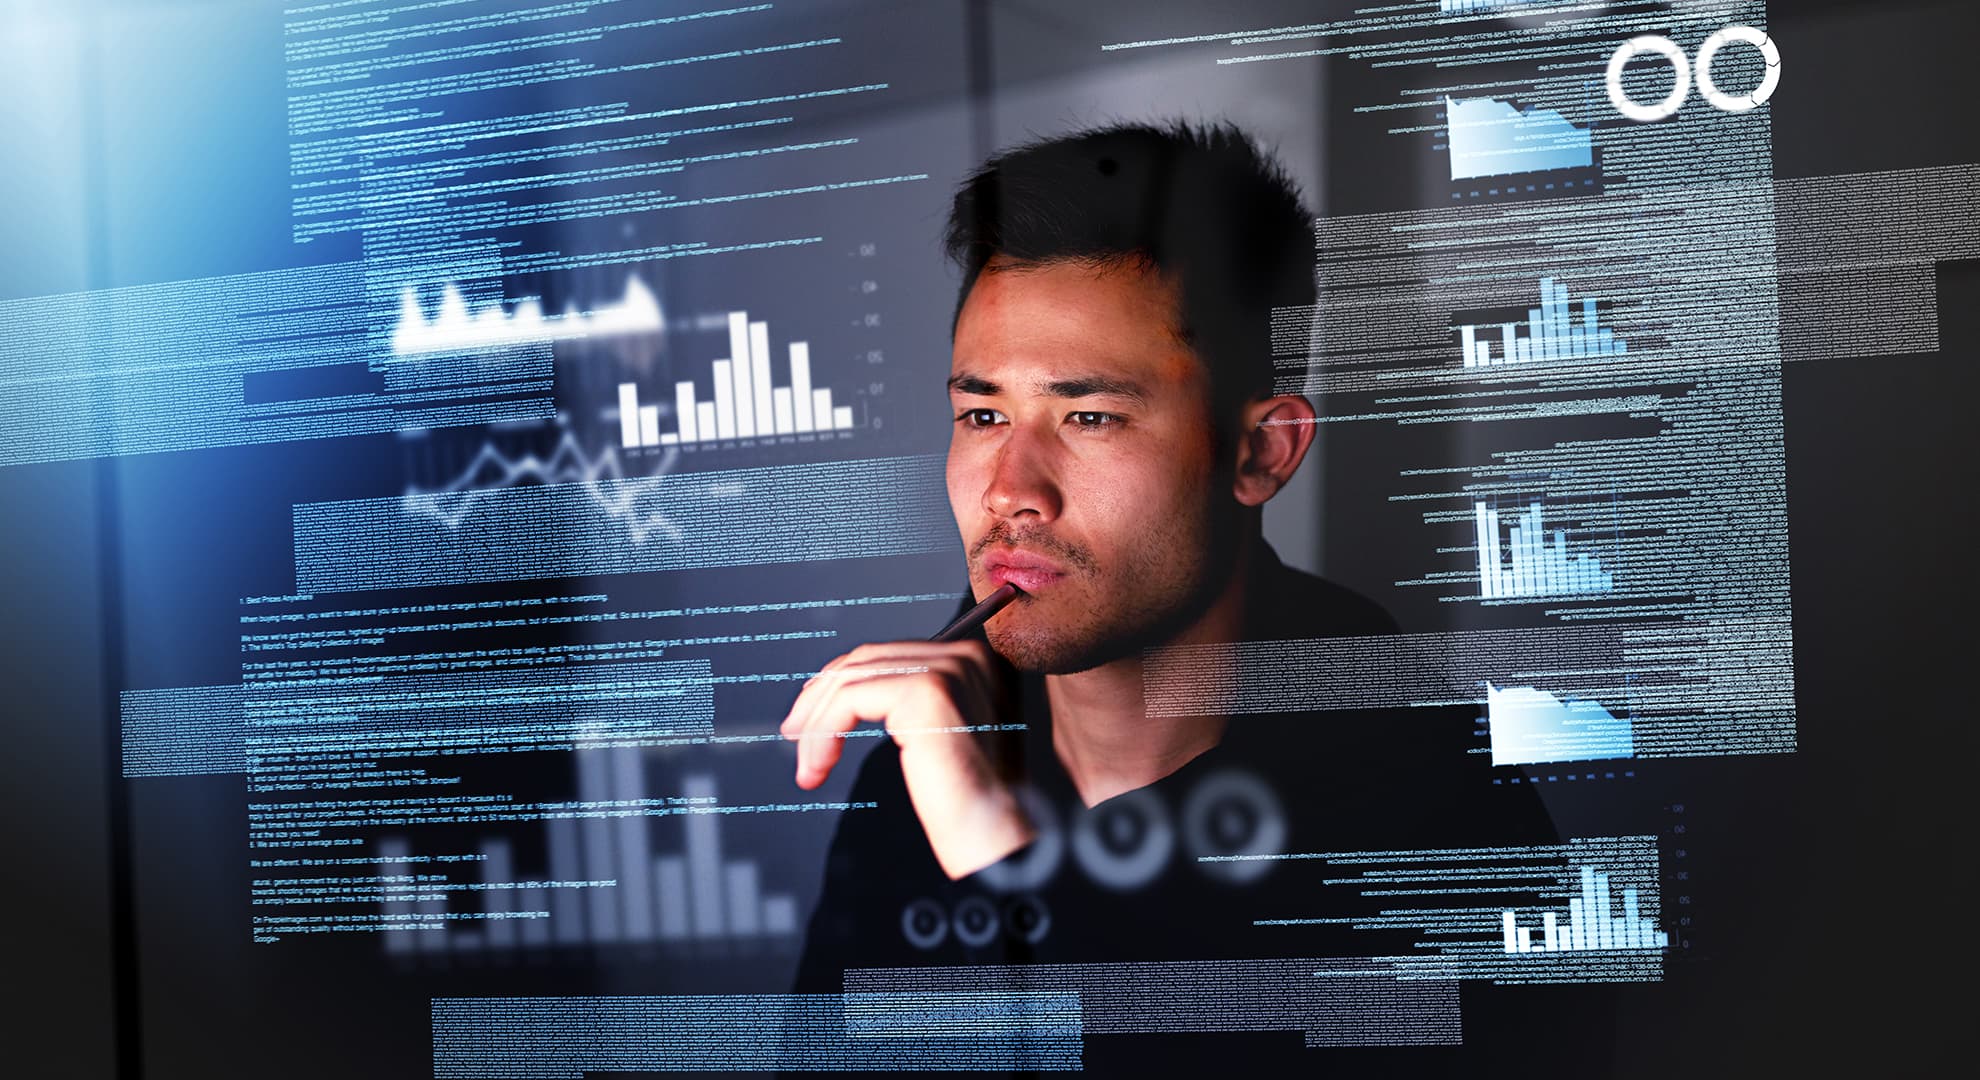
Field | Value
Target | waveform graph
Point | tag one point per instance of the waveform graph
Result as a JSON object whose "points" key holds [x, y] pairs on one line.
{"points": [[547, 524], [455, 327], [1530, 726], [492, 470], [743, 403], [1554, 331], [1489, 137]]}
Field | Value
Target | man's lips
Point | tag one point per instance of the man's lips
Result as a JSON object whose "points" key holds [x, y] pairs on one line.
{"points": [[1023, 569]]}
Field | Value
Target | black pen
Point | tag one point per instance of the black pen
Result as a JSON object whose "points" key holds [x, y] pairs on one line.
{"points": [[980, 614]]}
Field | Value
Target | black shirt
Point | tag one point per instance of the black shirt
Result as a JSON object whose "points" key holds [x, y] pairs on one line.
{"points": [[1116, 903]]}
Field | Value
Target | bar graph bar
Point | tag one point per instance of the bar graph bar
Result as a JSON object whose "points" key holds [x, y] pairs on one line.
{"points": [[600, 860], [779, 915], [802, 416], [704, 862], [745, 403], [566, 907], [671, 882], [1551, 331], [635, 884], [744, 422], [498, 869], [1592, 923], [745, 908], [535, 933], [392, 855], [759, 373], [1528, 562]]}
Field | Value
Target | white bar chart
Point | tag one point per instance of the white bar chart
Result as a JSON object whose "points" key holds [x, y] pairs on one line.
{"points": [[1550, 332], [744, 402], [693, 894], [1592, 923], [1528, 562], [604, 883]]}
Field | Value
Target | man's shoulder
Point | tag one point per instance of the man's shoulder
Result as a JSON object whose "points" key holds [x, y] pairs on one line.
{"points": [[1289, 603]]}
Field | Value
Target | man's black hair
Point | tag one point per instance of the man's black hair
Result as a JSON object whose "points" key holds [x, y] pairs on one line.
{"points": [[1200, 204]]}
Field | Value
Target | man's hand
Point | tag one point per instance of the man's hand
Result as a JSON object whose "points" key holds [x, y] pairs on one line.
{"points": [[927, 694]]}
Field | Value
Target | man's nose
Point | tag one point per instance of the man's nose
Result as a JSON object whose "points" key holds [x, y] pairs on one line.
{"points": [[1023, 478]]}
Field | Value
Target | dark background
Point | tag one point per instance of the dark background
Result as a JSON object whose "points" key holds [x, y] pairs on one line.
{"points": [[1833, 887]]}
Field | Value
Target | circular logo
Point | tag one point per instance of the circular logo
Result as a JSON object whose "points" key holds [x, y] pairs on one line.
{"points": [[1027, 918], [1230, 818], [1707, 89], [1758, 96], [976, 922], [924, 923], [1126, 841], [1630, 50], [1037, 865]]}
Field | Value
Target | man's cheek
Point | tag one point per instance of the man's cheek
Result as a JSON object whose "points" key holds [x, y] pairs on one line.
{"points": [[1114, 510]]}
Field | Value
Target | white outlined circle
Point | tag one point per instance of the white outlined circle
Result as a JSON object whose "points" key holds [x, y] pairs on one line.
{"points": [[924, 923], [1234, 813], [1637, 46], [1758, 96], [1126, 841], [1027, 918], [977, 923], [1033, 869]]}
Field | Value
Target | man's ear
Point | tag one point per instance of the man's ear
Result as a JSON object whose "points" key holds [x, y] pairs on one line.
{"points": [[1273, 434]]}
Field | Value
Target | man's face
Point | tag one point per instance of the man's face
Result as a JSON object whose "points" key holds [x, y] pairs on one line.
{"points": [[1083, 463]]}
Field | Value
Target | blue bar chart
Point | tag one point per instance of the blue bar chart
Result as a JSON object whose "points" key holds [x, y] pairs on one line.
{"points": [[1591, 923], [1550, 332], [1528, 562], [745, 404]]}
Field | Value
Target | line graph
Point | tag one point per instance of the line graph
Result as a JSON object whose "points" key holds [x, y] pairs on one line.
{"points": [[491, 470]]}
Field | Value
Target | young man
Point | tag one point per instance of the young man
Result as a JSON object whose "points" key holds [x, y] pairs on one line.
{"points": [[1116, 436]]}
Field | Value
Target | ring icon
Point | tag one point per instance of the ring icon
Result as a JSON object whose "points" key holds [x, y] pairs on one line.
{"points": [[924, 923], [1028, 919], [977, 923], [1758, 96], [1126, 841], [1630, 50], [1031, 870], [1682, 68], [1234, 816]]}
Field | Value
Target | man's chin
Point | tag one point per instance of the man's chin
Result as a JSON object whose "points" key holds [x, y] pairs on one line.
{"points": [[1053, 651]]}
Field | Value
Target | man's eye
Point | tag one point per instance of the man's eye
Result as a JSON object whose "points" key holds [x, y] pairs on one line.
{"points": [[1095, 419], [980, 418]]}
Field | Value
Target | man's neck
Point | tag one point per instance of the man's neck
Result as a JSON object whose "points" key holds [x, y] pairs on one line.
{"points": [[1101, 731]]}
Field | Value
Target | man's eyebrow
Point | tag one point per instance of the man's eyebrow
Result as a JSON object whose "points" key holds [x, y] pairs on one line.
{"points": [[973, 384], [1094, 386], [1077, 387]]}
